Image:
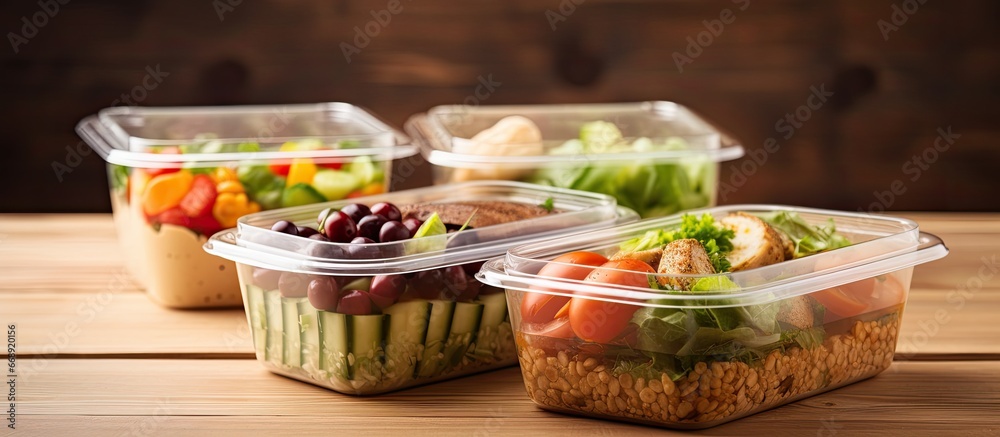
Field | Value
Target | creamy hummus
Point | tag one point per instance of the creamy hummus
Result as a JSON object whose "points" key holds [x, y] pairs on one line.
{"points": [[171, 264]]}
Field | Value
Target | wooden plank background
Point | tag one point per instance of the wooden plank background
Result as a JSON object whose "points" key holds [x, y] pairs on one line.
{"points": [[938, 69]]}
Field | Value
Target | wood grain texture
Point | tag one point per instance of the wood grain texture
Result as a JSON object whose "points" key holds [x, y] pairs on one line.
{"points": [[56, 324], [83, 252], [92, 293], [207, 397]]}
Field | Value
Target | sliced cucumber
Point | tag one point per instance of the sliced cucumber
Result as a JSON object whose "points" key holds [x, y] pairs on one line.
{"points": [[365, 170], [438, 329], [352, 345], [309, 337], [257, 318], [334, 345], [335, 184], [407, 330], [494, 313], [291, 340], [366, 353], [464, 327], [301, 194], [274, 347]]}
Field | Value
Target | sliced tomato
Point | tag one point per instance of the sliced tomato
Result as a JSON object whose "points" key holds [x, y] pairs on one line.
{"points": [[200, 198], [558, 328], [889, 292], [847, 300], [541, 307], [332, 165], [599, 321]]}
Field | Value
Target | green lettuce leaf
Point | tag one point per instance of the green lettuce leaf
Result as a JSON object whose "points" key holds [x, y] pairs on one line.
{"points": [[716, 239], [808, 239]]}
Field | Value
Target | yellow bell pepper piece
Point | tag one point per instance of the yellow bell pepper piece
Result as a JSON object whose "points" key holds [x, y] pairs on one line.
{"points": [[223, 174], [165, 191], [229, 207], [229, 187], [302, 171]]}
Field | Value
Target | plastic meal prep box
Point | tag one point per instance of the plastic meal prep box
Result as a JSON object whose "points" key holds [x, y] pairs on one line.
{"points": [[424, 317], [656, 157], [746, 342], [178, 175]]}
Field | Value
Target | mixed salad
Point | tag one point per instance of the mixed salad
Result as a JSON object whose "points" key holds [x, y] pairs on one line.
{"points": [[699, 360], [650, 188], [371, 334], [208, 199]]}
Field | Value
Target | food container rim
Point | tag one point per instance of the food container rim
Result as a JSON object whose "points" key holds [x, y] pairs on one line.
{"points": [[905, 248], [116, 146], [262, 247], [435, 142]]}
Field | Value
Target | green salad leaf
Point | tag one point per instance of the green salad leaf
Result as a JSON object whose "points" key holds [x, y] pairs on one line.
{"points": [[808, 239], [119, 177], [651, 189], [716, 239]]}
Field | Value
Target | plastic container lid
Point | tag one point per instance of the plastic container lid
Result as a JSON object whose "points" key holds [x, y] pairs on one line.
{"points": [[253, 243], [445, 128], [881, 245], [129, 135]]}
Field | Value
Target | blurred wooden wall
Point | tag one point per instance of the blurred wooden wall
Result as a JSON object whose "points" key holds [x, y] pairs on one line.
{"points": [[940, 68]]}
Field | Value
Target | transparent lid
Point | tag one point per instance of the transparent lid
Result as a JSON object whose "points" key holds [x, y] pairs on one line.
{"points": [[881, 245], [217, 135], [655, 131], [254, 243]]}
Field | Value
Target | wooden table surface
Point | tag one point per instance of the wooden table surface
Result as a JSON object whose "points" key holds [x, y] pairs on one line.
{"points": [[96, 357]]}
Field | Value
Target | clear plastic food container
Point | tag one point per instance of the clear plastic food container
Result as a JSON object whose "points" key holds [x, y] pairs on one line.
{"points": [[372, 317], [656, 158], [706, 349], [179, 175]]}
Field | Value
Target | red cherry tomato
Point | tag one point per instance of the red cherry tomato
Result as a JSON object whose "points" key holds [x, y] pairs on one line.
{"points": [[332, 165], [542, 308], [280, 169], [599, 321], [200, 198]]}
